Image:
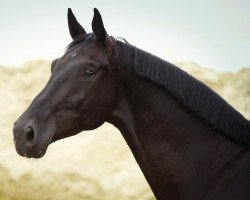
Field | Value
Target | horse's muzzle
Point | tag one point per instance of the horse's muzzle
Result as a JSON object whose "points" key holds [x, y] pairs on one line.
{"points": [[25, 140]]}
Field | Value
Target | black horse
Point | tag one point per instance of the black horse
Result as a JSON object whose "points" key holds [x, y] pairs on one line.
{"points": [[189, 142]]}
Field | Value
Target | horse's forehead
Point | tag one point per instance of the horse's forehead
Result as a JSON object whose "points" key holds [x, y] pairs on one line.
{"points": [[94, 51], [92, 47], [90, 50]]}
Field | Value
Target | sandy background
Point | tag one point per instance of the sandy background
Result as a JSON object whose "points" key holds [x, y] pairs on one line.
{"points": [[92, 165]]}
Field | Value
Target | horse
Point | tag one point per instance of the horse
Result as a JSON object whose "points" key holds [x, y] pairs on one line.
{"points": [[188, 141]]}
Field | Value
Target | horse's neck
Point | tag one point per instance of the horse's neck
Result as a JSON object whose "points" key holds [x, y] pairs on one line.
{"points": [[175, 149]]}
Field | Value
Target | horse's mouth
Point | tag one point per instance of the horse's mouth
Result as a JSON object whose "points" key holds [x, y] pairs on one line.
{"points": [[39, 154], [36, 155], [31, 153]]}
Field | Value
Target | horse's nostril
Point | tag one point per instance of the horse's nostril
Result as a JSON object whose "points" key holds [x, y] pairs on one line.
{"points": [[29, 134]]}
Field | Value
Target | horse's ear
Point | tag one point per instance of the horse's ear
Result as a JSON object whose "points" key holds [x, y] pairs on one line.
{"points": [[75, 28], [98, 27]]}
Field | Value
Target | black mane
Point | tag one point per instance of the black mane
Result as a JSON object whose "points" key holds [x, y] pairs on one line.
{"points": [[195, 95]]}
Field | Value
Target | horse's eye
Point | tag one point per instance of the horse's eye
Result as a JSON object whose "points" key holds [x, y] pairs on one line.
{"points": [[88, 72]]}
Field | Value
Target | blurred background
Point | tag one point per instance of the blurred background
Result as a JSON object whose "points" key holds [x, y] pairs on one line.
{"points": [[210, 40]]}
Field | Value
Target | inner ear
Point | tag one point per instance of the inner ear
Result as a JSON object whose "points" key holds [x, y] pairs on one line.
{"points": [[98, 27], [75, 28]]}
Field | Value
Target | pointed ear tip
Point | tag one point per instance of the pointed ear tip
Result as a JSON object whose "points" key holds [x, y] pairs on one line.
{"points": [[69, 11], [96, 11]]}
